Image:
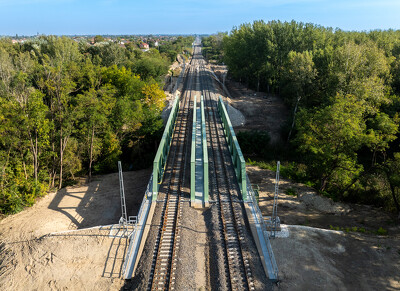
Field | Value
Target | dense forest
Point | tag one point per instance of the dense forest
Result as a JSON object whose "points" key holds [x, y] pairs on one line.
{"points": [[343, 92], [69, 108]]}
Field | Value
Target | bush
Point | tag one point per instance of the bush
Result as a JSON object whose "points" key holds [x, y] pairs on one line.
{"points": [[291, 192], [381, 231], [254, 142], [294, 171]]}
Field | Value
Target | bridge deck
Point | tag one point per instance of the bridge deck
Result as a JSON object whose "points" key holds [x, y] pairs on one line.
{"points": [[229, 252]]}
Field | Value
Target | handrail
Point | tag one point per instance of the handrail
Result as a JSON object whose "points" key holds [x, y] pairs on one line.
{"points": [[163, 149], [205, 152], [259, 221], [131, 254], [248, 193], [234, 148], [193, 154]]}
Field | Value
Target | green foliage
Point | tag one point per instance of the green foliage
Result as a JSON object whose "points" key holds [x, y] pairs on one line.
{"points": [[212, 47], [298, 78], [291, 192], [69, 109], [381, 231], [98, 38], [342, 89], [331, 136], [289, 170], [294, 171], [254, 142], [172, 49], [151, 67]]}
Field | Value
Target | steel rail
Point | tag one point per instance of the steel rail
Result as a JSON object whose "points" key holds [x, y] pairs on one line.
{"points": [[239, 271], [163, 269]]}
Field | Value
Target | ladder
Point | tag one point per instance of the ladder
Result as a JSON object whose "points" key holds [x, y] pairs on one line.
{"points": [[124, 217], [275, 222]]}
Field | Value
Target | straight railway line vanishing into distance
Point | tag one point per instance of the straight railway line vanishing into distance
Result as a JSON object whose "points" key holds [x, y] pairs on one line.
{"points": [[231, 233]]}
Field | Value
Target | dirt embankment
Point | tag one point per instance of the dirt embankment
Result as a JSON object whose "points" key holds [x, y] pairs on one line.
{"points": [[37, 254], [315, 257], [262, 111]]}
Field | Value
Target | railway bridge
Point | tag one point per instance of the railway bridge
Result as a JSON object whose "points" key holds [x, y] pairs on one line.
{"points": [[199, 224]]}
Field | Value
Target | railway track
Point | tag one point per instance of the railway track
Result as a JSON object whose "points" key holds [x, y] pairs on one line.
{"points": [[237, 268], [230, 223], [163, 269]]}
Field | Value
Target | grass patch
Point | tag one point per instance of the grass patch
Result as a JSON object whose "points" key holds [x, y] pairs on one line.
{"points": [[291, 192], [380, 231], [288, 170]]}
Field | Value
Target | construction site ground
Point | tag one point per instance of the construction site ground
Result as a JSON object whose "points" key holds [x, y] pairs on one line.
{"points": [[36, 253], [312, 257], [316, 257], [40, 248]]}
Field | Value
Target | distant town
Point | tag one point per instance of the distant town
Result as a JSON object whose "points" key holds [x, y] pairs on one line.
{"points": [[143, 42]]}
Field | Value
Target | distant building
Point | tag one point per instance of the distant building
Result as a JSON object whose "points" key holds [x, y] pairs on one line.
{"points": [[144, 45], [14, 41]]}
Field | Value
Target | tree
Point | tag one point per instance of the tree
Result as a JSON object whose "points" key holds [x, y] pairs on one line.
{"points": [[392, 170], [362, 70], [154, 97], [67, 108], [331, 137], [38, 127], [300, 73], [151, 67], [382, 131], [56, 80], [95, 106], [98, 38]]}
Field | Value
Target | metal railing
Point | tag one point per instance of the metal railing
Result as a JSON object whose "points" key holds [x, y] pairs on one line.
{"points": [[163, 149], [179, 80], [263, 233], [274, 218], [248, 193], [193, 154], [234, 148], [124, 217], [136, 235], [205, 151]]}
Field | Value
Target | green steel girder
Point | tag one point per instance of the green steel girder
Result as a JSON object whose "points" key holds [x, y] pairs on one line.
{"points": [[205, 152], [193, 155], [234, 148], [163, 149]]}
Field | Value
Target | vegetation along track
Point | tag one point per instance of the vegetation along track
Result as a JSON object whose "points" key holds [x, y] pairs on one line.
{"points": [[237, 266], [162, 275]]}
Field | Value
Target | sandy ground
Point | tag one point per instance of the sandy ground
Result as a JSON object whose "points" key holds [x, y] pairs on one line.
{"points": [[314, 257], [262, 111], [37, 254]]}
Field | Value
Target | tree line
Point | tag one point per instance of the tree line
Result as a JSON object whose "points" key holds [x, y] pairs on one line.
{"points": [[343, 91], [69, 108]]}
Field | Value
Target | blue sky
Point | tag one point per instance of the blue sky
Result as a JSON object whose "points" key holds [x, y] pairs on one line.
{"points": [[27, 17]]}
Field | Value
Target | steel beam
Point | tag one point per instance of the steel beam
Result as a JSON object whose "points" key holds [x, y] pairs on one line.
{"points": [[234, 148]]}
